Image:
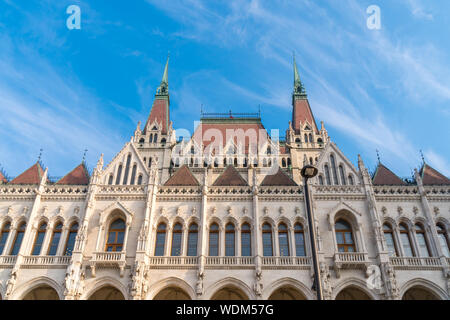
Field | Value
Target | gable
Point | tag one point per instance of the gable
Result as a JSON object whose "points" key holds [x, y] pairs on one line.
{"points": [[33, 175], [78, 176], [230, 177], [182, 177], [278, 179], [384, 176], [431, 176]]}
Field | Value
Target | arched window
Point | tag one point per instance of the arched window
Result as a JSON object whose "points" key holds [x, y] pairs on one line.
{"points": [[119, 174], [192, 150], [39, 240], [246, 240], [163, 142], [350, 180], [245, 162], [133, 175], [406, 240], [443, 240], [155, 138], [311, 161], [177, 234], [4, 233], [333, 169], [56, 237], [341, 172], [289, 162], [110, 180], [150, 162], [327, 175], [216, 163], [344, 236], [18, 239], [140, 180], [310, 138], [224, 162], [306, 138], [321, 180], [297, 140], [214, 240], [300, 250], [269, 151], [235, 162], [390, 241], [283, 240], [127, 170], [424, 248], [116, 234], [151, 138], [160, 240], [192, 240], [230, 243], [320, 142], [283, 163], [267, 240], [70, 244]]}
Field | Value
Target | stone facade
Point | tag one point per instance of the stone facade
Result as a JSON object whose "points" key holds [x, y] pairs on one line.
{"points": [[139, 236]]}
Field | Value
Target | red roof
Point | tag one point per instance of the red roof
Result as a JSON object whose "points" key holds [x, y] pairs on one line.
{"points": [[230, 177], [2, 178], [431, 176], [302, 113], [183, 177], [278, 179], [31, 176], [160, 113], [78, 176], [384, 176]]}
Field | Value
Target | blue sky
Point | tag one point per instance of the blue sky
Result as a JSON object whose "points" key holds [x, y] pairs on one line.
{"points": [[66, 90]]}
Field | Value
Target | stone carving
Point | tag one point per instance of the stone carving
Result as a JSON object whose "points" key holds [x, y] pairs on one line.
{"points": [[327, 289]]}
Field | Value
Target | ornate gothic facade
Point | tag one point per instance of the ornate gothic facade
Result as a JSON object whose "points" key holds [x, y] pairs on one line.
{"points": [[222, 216]]}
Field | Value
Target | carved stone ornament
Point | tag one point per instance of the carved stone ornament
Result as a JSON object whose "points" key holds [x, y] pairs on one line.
{"points": [[266, 211], [245, 211], [213, 210], [399, 210], [194, 210], [76, 210], [281, 211], [297, 211], [384, 210], [436, 210], [415, 210]]}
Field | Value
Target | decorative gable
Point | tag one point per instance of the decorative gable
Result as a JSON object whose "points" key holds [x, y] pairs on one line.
{"points": [[278, 179], [78, 176], [230, 177], [182, 177], [384, 176], [31, 176]]}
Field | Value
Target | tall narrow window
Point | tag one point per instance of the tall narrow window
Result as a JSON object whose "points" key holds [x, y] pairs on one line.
{"points": [[230, 243], [160, 240], [267, 240], [70, 244], [306, 138], [4, 236], [310, 138], [327, 174], [56, 237], [350, 180], [406, 240], [283, 240], [119, 174], [133, 175], [321, 180], [18, 239], [116, 236], [299, 240], [110, 180], [155, 138], [424, 249], [127, 170], [192, 240], [390, 242], [341, 172], [39, 240], [246, 240], [344, 236], [333, 169], [443, 240], [214, 240], [177, 234], [140, 180]]}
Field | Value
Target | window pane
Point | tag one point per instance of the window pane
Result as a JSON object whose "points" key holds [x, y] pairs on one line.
{"points": [[192, 244], [444, 245], [160, 240], [422, 245], [111, 237], [341, 249], [176, 244], [390, 243], [300, 244], [54, 244], [284, 244], [267, 244], [246, 244], [348, 238], [339, 238], [214, 244], [38, 244], [350, 249], [17, 244], [229, 244], [406, 245], [70, 243], [3, 239], [120, 237]]}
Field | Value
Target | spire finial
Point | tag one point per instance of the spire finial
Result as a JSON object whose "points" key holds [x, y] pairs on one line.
{"points": [[40, 155], [163, 88], [422, 156], [378, 156], [298, 85], [84, 155]]}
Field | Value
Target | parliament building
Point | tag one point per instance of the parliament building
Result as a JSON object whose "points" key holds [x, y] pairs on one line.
{"points": [[222, 214]]}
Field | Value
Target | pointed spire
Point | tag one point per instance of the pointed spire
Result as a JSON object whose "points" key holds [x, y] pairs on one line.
{"points": [[165, 78], [163, 89], [299, 89]]}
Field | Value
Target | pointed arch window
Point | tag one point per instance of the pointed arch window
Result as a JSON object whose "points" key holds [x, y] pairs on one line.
{"points": [[310, 138], [18, 239], [289, 162], [246, 240], [311, 161], [155, 138], [39, 239], [299, 233], [406, 240], [341, 172], [267, 240], [56, 237], [133, 175], [4, 233], [283, 240], [333, 169], [235, 162], [119, 174], [390, 241], [321, 180], [344, 236], [230, 240], [283, 163], [140, 180], [160, 240], [327, 175], [306, 138], [214, 240], [71, 238], [110, 180], [424, 248], [192, 240], [116, 234], [177, 234], [350, 180], [443, 240], [127, 170]]}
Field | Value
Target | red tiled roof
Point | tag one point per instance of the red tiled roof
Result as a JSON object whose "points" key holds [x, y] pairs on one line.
{"points": [[31, 176], [2, 178], [278, 179], [183, 177], [302, 113], [78, 176], [230, 177], [384, 176], [160, 112], [431, 176]]}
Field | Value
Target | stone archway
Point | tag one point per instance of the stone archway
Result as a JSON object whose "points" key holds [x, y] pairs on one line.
{"points": [[107, 293], [229, 293], [419, 293], [172, 293], [352, 293], [287, 293], [42, 293]]}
